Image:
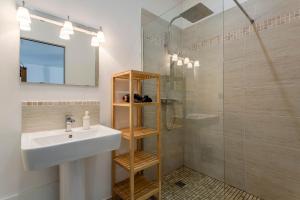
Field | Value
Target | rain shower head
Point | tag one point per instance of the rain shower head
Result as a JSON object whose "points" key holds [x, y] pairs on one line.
{"points": [[196, 13]]}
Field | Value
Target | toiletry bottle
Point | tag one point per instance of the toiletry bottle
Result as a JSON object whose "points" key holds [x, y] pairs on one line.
{"points": [[86, 120]]}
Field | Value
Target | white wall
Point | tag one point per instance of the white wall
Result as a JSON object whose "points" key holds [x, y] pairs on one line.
{"points": [[121, 23]]}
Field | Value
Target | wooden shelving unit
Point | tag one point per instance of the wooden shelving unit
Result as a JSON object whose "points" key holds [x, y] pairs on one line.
{"points": [[136, 187]]}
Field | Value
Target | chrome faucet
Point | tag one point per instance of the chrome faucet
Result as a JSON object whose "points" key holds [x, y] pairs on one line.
{"points": [[69, 121]]}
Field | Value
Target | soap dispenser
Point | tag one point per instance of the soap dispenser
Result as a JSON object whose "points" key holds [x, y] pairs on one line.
{"points": [[86, 120]]}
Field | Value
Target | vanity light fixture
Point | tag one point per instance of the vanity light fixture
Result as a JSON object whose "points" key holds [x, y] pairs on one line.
{"points": [[64, 35], [189, 65], [95, 42], [186, 60], [179, 63], [175, 57], [68, 27], [100, 35], [196, 63], [23, 17]]}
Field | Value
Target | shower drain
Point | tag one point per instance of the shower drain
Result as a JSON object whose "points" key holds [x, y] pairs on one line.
{"points": [[180, 184]]}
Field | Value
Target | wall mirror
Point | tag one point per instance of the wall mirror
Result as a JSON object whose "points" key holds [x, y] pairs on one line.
{"points": [[47, 58]]}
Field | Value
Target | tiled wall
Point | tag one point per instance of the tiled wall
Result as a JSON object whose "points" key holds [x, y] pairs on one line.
{"points": [[261, 99], [47, 115], [155, 60], [203, 138], [260, 134]]}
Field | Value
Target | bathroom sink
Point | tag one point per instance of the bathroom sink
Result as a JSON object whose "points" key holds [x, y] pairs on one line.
{"points": [[49, 148]]}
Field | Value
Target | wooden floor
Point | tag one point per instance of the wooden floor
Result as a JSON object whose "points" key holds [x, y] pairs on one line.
{"points": [[193, 185]]}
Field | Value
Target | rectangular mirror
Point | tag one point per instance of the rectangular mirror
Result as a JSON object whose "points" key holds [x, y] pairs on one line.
{"points": [[42, 62], [45, 58]]}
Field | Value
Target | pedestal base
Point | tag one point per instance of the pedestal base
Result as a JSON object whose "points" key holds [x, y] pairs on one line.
{"points": [[72, 180]]}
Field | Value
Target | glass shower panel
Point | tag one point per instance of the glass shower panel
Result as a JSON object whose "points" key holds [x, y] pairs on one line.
{"points": [[185, 45], [261, 98]]}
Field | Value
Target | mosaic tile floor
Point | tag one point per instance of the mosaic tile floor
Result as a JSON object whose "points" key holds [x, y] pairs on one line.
{"points": [[186, 184]]}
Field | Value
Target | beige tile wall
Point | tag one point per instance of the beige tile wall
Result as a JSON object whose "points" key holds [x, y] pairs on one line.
{"points": [[203, 139], [44, 115], [155, 60], [260, 134], [261, 100]]}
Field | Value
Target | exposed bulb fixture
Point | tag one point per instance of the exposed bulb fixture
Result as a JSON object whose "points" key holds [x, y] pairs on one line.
{"points": [[25, 27], [64, 35], [174, 57], [196, 63], [23, 17], [95, 42], [179, 63], [100, 35], [189, 65], [186, 61], [68, 27]]}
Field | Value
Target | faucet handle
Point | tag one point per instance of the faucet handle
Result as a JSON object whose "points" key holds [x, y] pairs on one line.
{"points": [[69, 118]]}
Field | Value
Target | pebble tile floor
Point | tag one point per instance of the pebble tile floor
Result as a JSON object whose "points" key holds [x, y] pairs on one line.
{"points": [[199, 186]]}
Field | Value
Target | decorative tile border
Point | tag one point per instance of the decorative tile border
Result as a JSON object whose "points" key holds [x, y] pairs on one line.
{"points": [[56, 103], [260, 25]]}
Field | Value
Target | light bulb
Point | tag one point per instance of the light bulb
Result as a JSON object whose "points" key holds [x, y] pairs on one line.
{"points": [[95, 42], [64, 35], [100, 35], [179, 63], [174, 57], [196, 63], [23, 15], [68, 27], [190, 65], [186, 60], [25, 26]]}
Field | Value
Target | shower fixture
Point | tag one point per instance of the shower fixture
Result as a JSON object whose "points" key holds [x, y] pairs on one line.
{"points": [[193, 15]]}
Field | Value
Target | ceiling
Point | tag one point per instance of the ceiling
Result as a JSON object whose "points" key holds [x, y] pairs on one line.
{"points": [[168, 9]]}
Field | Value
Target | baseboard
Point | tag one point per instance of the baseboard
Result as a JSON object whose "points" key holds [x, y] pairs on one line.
{"points": [[49, 191]]}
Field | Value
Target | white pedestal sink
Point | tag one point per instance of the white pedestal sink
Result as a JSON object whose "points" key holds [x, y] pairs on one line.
{"points": [[49, 148]]}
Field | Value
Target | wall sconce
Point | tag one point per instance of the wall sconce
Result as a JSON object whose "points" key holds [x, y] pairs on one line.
{"points": [[23, 17]]}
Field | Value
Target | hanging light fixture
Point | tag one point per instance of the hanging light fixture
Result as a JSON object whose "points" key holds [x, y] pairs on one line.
{"points": [[100, 35], [68, 27], [95, 42], [186, 60], [196, 63], [175, 57], [189, 65], [64, 35], [25, 27], [23, 17], [179, 63]]}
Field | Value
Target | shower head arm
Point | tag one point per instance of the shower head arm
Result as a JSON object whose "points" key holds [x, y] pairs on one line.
{"points": [[168, 35]]}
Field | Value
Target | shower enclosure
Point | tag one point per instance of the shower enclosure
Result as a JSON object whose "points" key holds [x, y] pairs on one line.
{"points": [[230, 74]]}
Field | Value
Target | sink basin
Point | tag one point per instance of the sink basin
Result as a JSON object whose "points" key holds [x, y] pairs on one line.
{"points": [[49, 148]]}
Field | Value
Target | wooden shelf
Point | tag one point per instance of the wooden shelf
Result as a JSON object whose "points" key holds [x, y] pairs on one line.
{"points": [[139, 132], [136, 104], [136, 75], [136, 187], [142, 160], [143, 189]]}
